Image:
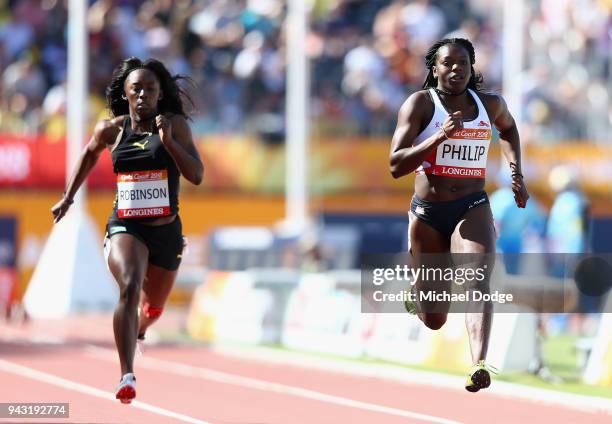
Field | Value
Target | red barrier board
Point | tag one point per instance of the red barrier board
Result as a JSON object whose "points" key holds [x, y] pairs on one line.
{"points": [[39, 162]]}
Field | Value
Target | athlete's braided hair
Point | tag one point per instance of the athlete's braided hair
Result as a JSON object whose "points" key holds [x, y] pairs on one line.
{"points": [[476, 80], [172, 94]]}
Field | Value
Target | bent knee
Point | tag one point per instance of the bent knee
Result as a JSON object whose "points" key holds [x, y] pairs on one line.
{"points": [[130, 292], [434, 321]]}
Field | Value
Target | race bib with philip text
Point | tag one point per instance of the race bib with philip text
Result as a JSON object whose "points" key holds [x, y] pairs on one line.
{"points": [[464, 155]]}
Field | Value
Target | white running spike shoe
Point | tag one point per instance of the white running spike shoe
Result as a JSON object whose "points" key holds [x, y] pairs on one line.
{"points": [[126, 391]]}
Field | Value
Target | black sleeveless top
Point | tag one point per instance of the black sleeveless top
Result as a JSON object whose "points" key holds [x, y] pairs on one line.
{"points": [[144, 152]]}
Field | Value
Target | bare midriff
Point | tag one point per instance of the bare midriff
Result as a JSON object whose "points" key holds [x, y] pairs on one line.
{"points": [[436, 188]]}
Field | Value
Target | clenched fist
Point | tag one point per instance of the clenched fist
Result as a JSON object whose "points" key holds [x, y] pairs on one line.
{"points": [[452, 123], [164, 127]]}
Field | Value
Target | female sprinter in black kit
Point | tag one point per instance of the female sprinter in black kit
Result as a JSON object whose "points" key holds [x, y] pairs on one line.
{"points": [[443, 134], [151, 147]]}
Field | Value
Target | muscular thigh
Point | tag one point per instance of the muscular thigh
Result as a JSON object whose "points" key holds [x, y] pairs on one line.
{"points": [[127, 258], [427, 246], [424, 238], [158, 285], [475, 232], [429, 252], [473, 245]]}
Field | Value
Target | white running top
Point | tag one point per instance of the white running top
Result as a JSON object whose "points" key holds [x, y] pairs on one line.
{"points": [[465, 154]]}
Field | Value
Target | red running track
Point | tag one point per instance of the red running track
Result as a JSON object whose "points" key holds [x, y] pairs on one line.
{"points": [[74, 361]]}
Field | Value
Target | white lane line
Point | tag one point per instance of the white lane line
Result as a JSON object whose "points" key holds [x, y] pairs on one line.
{"points": [[407, 376], [43, 377], [253, 383]]}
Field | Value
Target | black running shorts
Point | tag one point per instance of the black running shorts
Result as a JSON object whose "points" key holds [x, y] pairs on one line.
{"points": [[444, 216], [165, 242]]}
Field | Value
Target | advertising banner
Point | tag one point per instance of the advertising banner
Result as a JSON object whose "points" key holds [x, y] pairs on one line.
{"points": [[336, 165], [40, 162]]}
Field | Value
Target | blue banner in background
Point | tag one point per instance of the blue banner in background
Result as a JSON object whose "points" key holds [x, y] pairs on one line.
{"points": [[8, 241], [8, 260]]}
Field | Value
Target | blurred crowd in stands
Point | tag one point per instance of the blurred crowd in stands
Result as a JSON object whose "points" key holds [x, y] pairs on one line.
{"points": [[366, 57]]}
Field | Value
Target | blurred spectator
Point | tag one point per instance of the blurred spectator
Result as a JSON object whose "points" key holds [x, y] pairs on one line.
{"points": [[25, 78], [17, 33], [569, 215], [366, 57], [518, 230], [424, 23], [54, 110], [567, 233], [521, 231]]}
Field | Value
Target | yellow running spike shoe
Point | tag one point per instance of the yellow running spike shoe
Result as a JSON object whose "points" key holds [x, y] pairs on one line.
{"points": [[410, 305], [479, 377]]}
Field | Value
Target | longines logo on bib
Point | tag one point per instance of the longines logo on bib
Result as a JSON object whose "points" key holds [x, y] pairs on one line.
{"points": [[143, 194]]}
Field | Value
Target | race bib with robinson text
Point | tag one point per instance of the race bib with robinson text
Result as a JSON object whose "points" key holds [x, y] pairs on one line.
{"points": [[143, 194]]}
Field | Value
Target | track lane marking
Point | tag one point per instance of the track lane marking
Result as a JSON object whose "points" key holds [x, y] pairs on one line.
{"points": [[162, 365], [31, 373]]}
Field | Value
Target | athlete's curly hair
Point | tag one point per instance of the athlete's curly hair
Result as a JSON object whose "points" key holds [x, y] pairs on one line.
{"points": [[172, 99], [476, 80]]}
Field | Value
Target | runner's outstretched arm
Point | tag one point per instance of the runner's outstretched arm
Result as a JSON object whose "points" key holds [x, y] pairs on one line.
{"points": [[509, 141], [105, 130]]}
